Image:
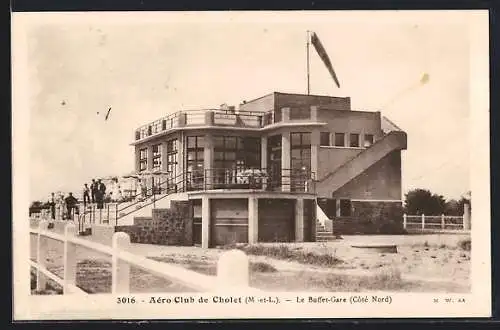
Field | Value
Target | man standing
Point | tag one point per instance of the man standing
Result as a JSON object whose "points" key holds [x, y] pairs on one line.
{"points": [[101, 193], [52, 205], [86, 195], [71, 202], [93, 191]]}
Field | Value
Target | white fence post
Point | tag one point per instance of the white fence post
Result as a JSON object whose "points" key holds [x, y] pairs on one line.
{"points": [[69, 257], [466, 217], [233, 269], [41, 255], [120, 274], [405, 220], [423, 221], [442, 221]]}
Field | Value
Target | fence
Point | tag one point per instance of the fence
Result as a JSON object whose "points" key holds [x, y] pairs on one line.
{"points": [[434, 222], [232, 267]]}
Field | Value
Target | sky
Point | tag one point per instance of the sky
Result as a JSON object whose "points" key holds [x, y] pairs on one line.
{"points": [[149, 66]]}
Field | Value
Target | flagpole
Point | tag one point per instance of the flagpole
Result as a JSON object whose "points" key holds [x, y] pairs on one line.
{"points": [[307, 50]]}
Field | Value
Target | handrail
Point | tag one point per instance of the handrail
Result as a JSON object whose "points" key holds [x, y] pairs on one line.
{"points": [[226, 277], [348, 162], [152, 189]]}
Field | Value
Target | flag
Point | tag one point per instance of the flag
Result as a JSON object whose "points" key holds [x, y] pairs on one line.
{"points": [[324, 56]]}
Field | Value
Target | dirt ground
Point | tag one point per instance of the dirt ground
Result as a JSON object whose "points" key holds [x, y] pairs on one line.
{"points": [[423, 263]]}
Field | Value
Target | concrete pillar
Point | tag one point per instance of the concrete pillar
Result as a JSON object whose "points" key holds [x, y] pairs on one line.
{"points": [[233, 271], [137, 158], [263, 152], [69, 258], [182, 119], [209, 118], [467, 216], [253, 220], [314, 113], [285, 161], [337, 207], [164, 155], [346, 139], [208, 160], [315, 142], [263, 159], [181, 160], [120, 270], [205, 222], [150, 157], [285, 114], [299, 220]]}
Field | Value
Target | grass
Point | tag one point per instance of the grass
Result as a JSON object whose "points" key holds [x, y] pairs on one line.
{"points": [[284, 252]]}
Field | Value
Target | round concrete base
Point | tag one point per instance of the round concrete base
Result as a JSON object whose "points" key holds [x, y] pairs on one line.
{"points": [[381, 248]]}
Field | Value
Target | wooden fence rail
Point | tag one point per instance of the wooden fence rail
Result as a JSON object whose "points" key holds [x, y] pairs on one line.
{"points": [[232, 267], [433, 222]]}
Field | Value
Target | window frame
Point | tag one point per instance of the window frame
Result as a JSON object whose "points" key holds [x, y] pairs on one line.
{"points": [[351, 135], [338, 134], [322, 135], [143, 159]]}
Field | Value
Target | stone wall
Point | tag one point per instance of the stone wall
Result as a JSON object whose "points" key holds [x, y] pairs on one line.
{"points": [[102, 234], [172, 226], [371, 218]]}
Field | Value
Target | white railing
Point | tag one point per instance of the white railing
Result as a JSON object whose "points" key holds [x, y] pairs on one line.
{"points": [[232, 267], [434, 222]]}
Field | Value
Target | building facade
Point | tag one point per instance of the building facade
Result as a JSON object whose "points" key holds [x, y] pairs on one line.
{"points": [[262, 172]]}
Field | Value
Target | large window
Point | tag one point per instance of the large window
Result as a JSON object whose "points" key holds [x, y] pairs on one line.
{"points": [[233, 155], [143, 159], [274, 161], [301, 151], [300, 159], [172, 158], [195, 167], [339, 140], [157, 157], [324, 139]]}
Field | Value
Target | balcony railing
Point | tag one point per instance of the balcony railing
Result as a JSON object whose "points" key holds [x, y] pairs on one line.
{"points": [[227, 118], [255, 179], [208, 117]]}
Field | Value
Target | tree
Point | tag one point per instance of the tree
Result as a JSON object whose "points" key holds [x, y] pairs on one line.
{"points": [[422, 201]]}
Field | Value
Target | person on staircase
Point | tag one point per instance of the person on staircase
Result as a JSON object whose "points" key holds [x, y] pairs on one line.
{"points": [[101, 193], [86, 195]]}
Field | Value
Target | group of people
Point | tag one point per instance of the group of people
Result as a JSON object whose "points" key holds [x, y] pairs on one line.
{"points": [[67, 206], [96, 193]]}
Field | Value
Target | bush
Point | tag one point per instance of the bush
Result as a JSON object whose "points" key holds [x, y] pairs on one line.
{"points": [[465, 244], [284, 252], [262, 267]]}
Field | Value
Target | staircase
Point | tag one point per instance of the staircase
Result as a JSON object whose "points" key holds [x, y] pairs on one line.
{"points": [[394, 140], [322, 234]]}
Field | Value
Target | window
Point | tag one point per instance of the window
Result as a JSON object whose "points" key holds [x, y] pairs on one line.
{"points": [[157, 157], [195, 162], [232, 155], [345, 208], [300, 113], [143, 159], [354, 140], [172, 157], [274, 161], [368, 140], [300, 159], [339, 140], [324, 139]]}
